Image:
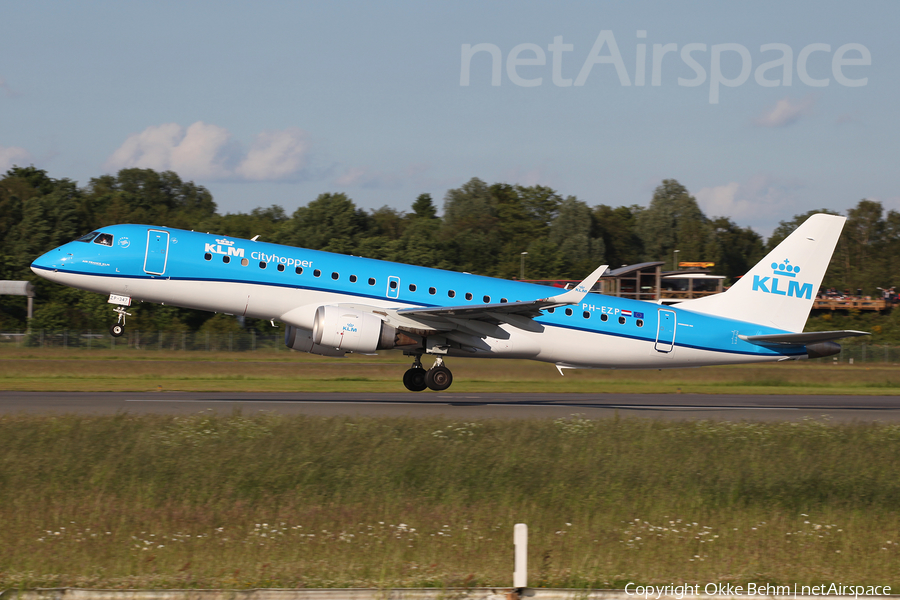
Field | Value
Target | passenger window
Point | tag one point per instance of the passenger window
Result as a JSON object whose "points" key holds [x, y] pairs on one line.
{"points": [[104, 239], [298, 270], [451, 293], [568, 312], [639, 322], [487, 299], [412, 287], [317, 273], [335, 276], [244, 262], [604, 318], [432, 291], [353, 279], [262, 264], [586, 315], [226, 259], [503, 300], [371, 281], [88, 237], [621, 320], [207, 256], [468, 296], [551, 310], [393, 284], [280, 267]]}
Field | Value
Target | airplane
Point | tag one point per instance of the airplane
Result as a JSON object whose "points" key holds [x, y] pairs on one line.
{"points": [[332, 304]]}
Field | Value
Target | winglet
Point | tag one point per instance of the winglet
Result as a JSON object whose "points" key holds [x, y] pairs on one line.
{"points": [[575, 295]]}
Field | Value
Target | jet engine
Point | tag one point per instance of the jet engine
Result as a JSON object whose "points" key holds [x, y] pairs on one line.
{"points": [[822, 349], [301, 339], [352, 330]]}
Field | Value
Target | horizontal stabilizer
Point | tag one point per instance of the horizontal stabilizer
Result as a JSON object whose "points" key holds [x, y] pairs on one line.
{"points": [[800, 339]]}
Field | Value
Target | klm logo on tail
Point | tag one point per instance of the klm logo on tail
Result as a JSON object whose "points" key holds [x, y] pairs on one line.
{"points": [[783, 282]]}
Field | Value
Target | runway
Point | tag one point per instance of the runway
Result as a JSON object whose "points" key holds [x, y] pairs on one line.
{"points": [[463, 405]]}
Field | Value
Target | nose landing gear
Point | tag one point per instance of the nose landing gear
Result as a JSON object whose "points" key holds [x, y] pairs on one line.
{"points": [[437, 378], [118, 328]]}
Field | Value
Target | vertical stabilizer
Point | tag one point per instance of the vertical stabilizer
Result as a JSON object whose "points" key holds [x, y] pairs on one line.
{"points": [[780, 290]]}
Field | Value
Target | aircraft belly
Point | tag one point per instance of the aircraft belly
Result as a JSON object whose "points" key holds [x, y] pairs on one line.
{"points": [[593, 350]]}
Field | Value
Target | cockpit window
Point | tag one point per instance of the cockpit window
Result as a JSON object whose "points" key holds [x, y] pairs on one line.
{"points": [[104, 239], [88, 237]]}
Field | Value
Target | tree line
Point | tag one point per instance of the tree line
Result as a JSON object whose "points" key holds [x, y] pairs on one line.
{"points": [[484, 229]]}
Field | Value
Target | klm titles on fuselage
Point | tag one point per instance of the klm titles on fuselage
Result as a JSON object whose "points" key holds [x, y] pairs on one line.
{"points": [[230, 250], [770, 285]]}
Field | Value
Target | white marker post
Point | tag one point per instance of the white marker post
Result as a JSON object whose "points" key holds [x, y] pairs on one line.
{"points": [[520, 540]]}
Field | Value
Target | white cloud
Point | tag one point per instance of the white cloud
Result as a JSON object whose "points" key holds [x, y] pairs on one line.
{"points": [[11, 156], [759, 199], [352, 176], [719, 200], [785, 112], [275, 155], [366, 177], [209, 152]]}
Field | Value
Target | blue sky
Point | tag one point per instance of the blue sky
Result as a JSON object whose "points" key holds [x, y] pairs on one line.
{"points": [[276, 102]]}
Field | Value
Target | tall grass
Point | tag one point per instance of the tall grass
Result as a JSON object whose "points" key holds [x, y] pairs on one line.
{"points": [[206, 501]]}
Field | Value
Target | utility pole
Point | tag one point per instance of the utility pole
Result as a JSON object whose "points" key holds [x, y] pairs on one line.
{"points": [[522, 270]]}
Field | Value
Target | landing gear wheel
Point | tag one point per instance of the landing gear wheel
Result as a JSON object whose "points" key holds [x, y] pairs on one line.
{"points": [[119, 327], [438, 378], [414, 379]]}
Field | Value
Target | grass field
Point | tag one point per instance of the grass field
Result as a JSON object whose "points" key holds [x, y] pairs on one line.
{"points": [[56, 369], [207, 501]]}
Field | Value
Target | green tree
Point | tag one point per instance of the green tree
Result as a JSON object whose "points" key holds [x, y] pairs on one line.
{"points": [[571, 234], [331, 222], [617, 226], [673, 221], [146, 196], [423, 207], [737, 249], [469, 229], [263, 222]]}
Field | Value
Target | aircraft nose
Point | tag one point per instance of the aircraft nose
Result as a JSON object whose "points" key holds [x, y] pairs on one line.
{"points": [[49, 261]]}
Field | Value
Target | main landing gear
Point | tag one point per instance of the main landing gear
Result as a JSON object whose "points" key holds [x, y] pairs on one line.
{"points": [[118, 328], [437, 378]]}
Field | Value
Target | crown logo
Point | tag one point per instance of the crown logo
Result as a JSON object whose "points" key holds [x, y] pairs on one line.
{"points": [[785, 268]]}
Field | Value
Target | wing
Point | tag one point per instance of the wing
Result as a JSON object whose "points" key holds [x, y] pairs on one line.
{"points": [[800, 339], [471, 324], [500, 311]]}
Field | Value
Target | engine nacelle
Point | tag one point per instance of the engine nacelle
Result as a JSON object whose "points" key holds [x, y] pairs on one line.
{"points": [[352, 330], [301, 339], [822, 349]]}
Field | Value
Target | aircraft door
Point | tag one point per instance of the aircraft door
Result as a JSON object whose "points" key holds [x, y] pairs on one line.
{"points": [[393, 288], [157, 252], [665, 331]]}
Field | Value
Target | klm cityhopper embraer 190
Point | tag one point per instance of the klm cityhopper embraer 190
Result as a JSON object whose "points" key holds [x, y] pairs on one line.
{"points": [[333, 304]]}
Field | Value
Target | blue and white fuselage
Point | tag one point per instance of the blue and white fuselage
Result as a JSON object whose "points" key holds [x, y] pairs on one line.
{"points": [[334, 303]]}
